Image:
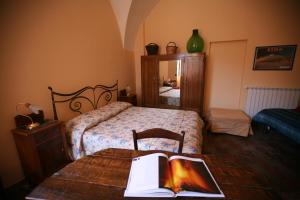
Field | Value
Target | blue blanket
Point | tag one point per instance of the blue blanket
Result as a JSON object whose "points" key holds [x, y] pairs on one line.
{"points": [[285, 121]]}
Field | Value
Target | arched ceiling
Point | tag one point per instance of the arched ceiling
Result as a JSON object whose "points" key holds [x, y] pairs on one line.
{"points": [[130, 14]]}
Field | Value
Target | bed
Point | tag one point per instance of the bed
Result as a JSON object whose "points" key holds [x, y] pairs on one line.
{"points": [[111, 125], [285, 121], [169, 96], [164, 89]]}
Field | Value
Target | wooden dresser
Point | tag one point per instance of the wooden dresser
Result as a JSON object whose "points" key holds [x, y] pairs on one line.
{"points": [[42, 150]]}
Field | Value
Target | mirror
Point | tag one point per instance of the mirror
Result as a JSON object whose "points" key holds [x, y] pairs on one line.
{"points": [[169, 83]]}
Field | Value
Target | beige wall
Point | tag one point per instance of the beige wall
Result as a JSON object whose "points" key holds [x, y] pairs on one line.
{"points": [[258, 22], [121, 10], [163, 72], [172, 70], [224, 74], [138, 51], [64, 44]]}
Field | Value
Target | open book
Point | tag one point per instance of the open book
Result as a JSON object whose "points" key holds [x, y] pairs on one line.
{"points": [[156, 175]]}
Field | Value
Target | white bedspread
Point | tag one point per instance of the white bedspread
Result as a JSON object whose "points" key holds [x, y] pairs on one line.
{"points": [[164, 89], [111, 127], [174, 93]]}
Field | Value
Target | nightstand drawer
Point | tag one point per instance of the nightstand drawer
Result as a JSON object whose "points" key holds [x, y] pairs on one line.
{"points": [[47, 134]]}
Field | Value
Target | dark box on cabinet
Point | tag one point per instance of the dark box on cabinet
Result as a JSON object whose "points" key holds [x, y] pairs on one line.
{"points": [[22, 121]]}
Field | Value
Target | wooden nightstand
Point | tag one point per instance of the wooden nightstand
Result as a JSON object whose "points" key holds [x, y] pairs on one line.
{"points": [[42, 150], [130, 99]]}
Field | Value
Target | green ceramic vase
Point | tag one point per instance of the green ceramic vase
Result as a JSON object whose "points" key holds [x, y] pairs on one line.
{"points": [[195, 43]]}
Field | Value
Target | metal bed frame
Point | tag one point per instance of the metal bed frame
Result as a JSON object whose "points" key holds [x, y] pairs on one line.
{"points": [[98, 92]]}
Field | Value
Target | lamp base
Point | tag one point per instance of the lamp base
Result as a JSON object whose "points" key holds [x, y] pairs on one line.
{"points": [[32, 125]]}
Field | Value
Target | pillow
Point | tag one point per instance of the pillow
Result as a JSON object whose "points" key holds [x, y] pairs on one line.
{"points": [[91, 118]]}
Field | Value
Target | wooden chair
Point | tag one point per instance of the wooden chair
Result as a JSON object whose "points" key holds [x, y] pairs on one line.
{"points": [[158, 133]]}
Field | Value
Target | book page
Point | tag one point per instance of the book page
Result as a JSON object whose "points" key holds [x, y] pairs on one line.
{"points": [[165, 175], [191, 174], [144, 173]]}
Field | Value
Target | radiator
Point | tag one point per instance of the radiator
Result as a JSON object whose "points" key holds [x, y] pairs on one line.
{"points": [[259, 98]]}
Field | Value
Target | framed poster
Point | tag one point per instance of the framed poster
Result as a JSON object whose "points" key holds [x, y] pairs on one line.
{"points": [[274, 57]]}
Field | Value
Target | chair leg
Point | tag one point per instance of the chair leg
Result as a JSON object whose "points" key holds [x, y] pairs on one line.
{"points": [[135, 140]]}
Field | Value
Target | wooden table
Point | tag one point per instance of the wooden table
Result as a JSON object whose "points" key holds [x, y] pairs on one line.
{"points": [[104, 176]]}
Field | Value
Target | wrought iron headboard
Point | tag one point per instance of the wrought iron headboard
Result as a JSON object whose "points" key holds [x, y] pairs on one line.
{"points": [[105, 92]]}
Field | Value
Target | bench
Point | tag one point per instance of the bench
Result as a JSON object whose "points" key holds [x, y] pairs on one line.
{"points": [[230, 121]]}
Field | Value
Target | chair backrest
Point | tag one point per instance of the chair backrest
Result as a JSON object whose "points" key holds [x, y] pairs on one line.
{"points": [[158, 133]]}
